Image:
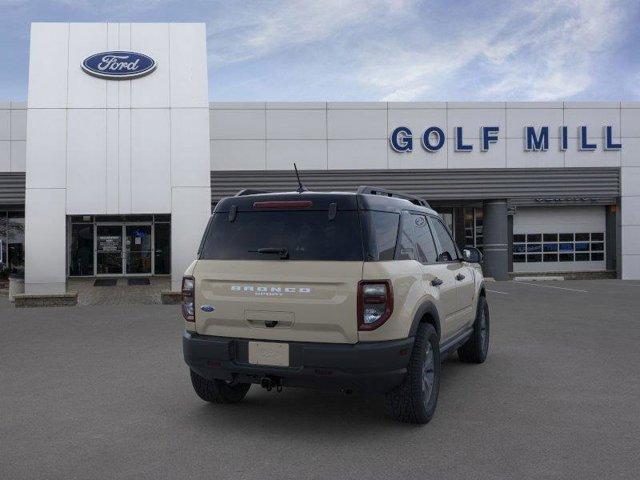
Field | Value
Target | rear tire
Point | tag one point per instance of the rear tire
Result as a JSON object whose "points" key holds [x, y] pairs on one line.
{"points": [[477, 347], [218, 391], [415, 400]]}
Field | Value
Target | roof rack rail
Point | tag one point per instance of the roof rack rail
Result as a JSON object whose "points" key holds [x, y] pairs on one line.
{"points": [[366, 189], [249, 191]]}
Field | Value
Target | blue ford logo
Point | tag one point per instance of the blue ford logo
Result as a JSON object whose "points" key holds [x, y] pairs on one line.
{"points": [[118, 65], [207, 308]]}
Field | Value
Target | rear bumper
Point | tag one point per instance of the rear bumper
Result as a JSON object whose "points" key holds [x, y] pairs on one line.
{"points": [[374, 367]]}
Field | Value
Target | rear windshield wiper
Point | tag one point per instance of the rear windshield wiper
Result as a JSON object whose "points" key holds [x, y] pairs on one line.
{"points": [[283, 252]]}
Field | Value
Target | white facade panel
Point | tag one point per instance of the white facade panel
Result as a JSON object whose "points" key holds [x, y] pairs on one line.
{"points": [[86, 161], [598, 158], [5, 156], [188, 54], [48, 62], [630, 268], [471, 119], [5, 124], [357, 154], [494, 157], [356, 124], [152, 91], [630, 182], [191, 208], [45, 241], [238, 155], [630, 230], [150, 160], [234, 124], [592, 118], [190, 164], [18, 156], [519, 118], [296, 124], [417, 120], [47, 148], [630, 121], [517, 157], [630, 211], [307, 154], [124, 86], [418, 158], [296, 105], [630, 153], [85, 91], [631, 239], [124, 161], [111, 161], [113, 43], [18, 124]]}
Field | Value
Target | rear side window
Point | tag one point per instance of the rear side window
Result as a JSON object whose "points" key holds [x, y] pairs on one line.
{"points": [[406, 249], [425, 246], [447, 251], [383, 234], [305, 235]]}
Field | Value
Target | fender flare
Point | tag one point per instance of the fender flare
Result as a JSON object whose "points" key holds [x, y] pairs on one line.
{"points": [[426, 308]]}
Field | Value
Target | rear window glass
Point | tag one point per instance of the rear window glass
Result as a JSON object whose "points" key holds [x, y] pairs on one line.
{"points": [[305, 235], [383, 228]]}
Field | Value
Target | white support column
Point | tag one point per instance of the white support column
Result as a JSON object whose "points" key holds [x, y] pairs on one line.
{"points": [[630, 221], [630, 191], [191, 208], [45, 241]]}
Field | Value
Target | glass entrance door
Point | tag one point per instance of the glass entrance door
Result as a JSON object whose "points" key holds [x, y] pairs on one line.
{"points": [[139, 249], [109, 250]]}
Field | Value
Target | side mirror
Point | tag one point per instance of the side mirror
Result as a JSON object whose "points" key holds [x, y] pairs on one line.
{"points": [[472, 255]]}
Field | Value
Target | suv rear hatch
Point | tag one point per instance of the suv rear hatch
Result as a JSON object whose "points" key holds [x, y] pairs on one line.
{"points": [[281, 267]]}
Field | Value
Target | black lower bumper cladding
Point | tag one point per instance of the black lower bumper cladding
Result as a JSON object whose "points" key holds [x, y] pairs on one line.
{"points": [[374, 367]]}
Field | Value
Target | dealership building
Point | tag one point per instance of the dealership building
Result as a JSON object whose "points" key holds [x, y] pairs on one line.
{"points": [[113, 164]]}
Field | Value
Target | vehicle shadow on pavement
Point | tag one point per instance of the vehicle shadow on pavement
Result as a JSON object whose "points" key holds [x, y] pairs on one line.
{"points": [[298, 410]]}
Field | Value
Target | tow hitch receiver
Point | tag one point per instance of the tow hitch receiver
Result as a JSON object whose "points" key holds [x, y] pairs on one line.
{"points": [[269, 383]]}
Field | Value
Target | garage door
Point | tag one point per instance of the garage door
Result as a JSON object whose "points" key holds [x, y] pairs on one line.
{"points": [[559, 239]]}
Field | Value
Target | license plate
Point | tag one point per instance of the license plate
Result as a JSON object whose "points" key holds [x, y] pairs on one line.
{"points": [[269, 353]]}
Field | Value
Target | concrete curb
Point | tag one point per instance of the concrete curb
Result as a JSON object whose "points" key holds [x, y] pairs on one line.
{"points": [[69, 299]]}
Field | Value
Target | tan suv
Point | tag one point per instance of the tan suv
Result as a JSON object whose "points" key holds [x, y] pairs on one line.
{"points": [[362, 291]]}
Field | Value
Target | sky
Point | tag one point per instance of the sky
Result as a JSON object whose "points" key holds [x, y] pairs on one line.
{"points": [[377, 50]]}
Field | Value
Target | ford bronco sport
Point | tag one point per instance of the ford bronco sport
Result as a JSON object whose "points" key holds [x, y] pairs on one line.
{"points": [[362, 291]]}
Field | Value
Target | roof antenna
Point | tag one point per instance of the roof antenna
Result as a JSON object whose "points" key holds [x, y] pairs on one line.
{"points": [[301, 188]]}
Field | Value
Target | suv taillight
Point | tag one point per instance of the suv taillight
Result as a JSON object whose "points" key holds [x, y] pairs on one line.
{"points": [[375, 303], [189, 299]]}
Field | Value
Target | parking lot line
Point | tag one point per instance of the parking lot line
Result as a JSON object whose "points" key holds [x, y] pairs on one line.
{"points": [[552, 286], [496, 291]]}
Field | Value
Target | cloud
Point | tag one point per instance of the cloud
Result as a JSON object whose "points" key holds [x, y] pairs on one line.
{"points": [[546, 51], [408, 50], [263, 28]]}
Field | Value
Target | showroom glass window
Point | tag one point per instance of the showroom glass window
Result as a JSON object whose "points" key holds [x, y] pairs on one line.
{"points": [[12, 239]]}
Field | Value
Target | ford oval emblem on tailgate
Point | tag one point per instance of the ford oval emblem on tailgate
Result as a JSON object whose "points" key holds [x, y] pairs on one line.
{"points": [[207, 308]]}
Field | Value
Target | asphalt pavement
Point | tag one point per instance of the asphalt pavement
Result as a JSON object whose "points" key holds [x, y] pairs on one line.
{"points": [[102, 392]]}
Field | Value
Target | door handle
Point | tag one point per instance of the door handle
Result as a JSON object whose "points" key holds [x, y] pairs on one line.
{"points": [[460, 277], [436, 282]]}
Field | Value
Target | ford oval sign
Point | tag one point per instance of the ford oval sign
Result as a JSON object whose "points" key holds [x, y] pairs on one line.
{"points": [[118, 65]]}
